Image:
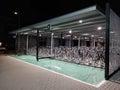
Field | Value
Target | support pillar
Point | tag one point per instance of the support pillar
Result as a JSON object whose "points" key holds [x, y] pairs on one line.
{"points": [[37, 45], [79, 43], [52, 41], [107, 32], [61, 41], [70, 42], [92, 41], [27, 41], [18, 42]]}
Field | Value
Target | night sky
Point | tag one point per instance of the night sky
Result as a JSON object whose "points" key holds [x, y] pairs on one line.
{"points": [[33, 11]]}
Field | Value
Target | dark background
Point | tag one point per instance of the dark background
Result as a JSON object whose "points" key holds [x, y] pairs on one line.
{"points": [[32, 11]]}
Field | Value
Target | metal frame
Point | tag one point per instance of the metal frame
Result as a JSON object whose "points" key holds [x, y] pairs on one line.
{"points": [[63, 19], [107, 35], [107, 75]]}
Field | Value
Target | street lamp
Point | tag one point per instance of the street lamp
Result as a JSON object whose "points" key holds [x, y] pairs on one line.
{"points": [[15, 13], [18, 14]]}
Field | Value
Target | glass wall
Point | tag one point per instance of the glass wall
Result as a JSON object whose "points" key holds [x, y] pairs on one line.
{"points": [[114, 44], [21, 43]]}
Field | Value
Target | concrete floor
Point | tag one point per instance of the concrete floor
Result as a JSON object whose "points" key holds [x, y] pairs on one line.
{"points": [[17, 75]]}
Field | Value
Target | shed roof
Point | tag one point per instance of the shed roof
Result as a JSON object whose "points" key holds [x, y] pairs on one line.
{"points": [[91, 18]]}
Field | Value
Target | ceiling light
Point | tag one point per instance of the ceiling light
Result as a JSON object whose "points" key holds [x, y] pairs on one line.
{"points": [[92, 35], [40, 35], [80, 21], [26, 33], [86, 38], [75, 36], [34, 31], [15, 13], [52, 33], [70, 31], [68, 35], [100, 37], [85, 34], [55, 28], [55, 36], [112, 32], [99, 28]]}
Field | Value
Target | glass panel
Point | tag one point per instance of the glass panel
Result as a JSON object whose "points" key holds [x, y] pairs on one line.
{"points": [[114, 51]]}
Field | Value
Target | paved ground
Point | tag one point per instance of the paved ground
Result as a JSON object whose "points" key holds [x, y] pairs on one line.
{"points": [[16, 75]]}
